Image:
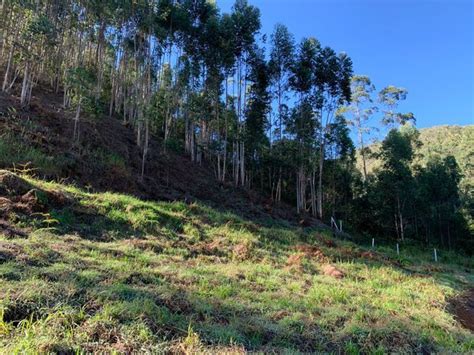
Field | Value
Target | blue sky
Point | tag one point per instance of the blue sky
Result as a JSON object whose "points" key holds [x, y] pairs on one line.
{"points": [[425, 46]]}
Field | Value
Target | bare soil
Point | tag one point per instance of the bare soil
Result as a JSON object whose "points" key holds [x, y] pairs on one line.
{"points": [[463, 308], [169, 176]]}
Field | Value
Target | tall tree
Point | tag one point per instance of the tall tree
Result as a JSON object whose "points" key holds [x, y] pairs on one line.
{"points": [[362, 109], [332, 90], [280, 64], [395, 180], [390, 97], [257, 112], [302, 124], [246, 24]]}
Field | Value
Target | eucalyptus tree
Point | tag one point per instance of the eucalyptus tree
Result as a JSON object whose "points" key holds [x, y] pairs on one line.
{"points": [[302, 126], [99, 13], [29, 34], [196, 18], [228, 61], [362, 109], [281, 61], [80, 80], [332, 90], [280, 64], [390, 97], [214, 61], [38, 36], [302, 122], [256, 113], [245, 25], [340, 172], [13, 23]]}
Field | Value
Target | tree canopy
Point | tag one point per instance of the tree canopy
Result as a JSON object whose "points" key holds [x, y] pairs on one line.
{"points": [[266, 114]]}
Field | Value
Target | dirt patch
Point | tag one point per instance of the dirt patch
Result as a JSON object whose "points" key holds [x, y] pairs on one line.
{"points": [[9, 231], [331, 270], [305, 252], [373, 255], [12, 252], [241, 251], [20, 310], [279, 315], [311, 252], [20, 198], [463, 309], [12, 185], [295, 260], [147, 245], [330, 243]]}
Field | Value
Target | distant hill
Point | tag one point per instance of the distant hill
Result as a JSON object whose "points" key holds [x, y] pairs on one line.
{"points": [[441, 141]]}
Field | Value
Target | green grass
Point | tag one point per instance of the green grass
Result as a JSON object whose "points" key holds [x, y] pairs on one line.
{"points": [[115, 273], [14, 153], [107, 160]]}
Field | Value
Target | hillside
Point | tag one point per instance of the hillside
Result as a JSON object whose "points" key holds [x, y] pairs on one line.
{"points": [[175, 180], [441, 141], [106, 262], [451, 140], [101, 272], [106, 158]]}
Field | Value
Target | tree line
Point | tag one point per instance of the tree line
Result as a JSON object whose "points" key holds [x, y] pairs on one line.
{"points": [[266, 113]]}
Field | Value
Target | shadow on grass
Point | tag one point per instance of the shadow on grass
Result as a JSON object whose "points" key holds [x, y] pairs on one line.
{"points": [[111, 294]]}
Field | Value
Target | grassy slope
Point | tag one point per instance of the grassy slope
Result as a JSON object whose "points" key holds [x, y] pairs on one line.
{"points": [[440, 141], [112, 272]]}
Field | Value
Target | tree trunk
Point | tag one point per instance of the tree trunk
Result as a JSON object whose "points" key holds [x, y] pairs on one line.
{"points": [[278, 186], [145, 148], [400, 216], [320, 182], [24, 87], [313, 194], [76, 121], [362, 150], [7, 71], [242, 163]]}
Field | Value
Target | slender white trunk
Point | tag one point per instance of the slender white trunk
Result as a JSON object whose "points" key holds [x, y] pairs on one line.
{"points": [[320, 182], [145, 148], [76, 120], [24, 87], [7, 71], [242, 163]]}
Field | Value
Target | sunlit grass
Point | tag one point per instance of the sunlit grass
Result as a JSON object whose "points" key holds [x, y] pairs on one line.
{"points": [[121, 274]]}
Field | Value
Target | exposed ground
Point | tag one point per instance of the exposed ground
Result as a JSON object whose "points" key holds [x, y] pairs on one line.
{"points": [[463, 308], [107, 158]]}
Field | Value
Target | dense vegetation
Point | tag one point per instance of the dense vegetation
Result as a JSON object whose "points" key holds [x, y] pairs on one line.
{"points": [[265, 113], [437, 144]]}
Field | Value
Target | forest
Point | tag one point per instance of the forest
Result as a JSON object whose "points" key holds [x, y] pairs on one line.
{"points": [[264, 112], [175, 180]]}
